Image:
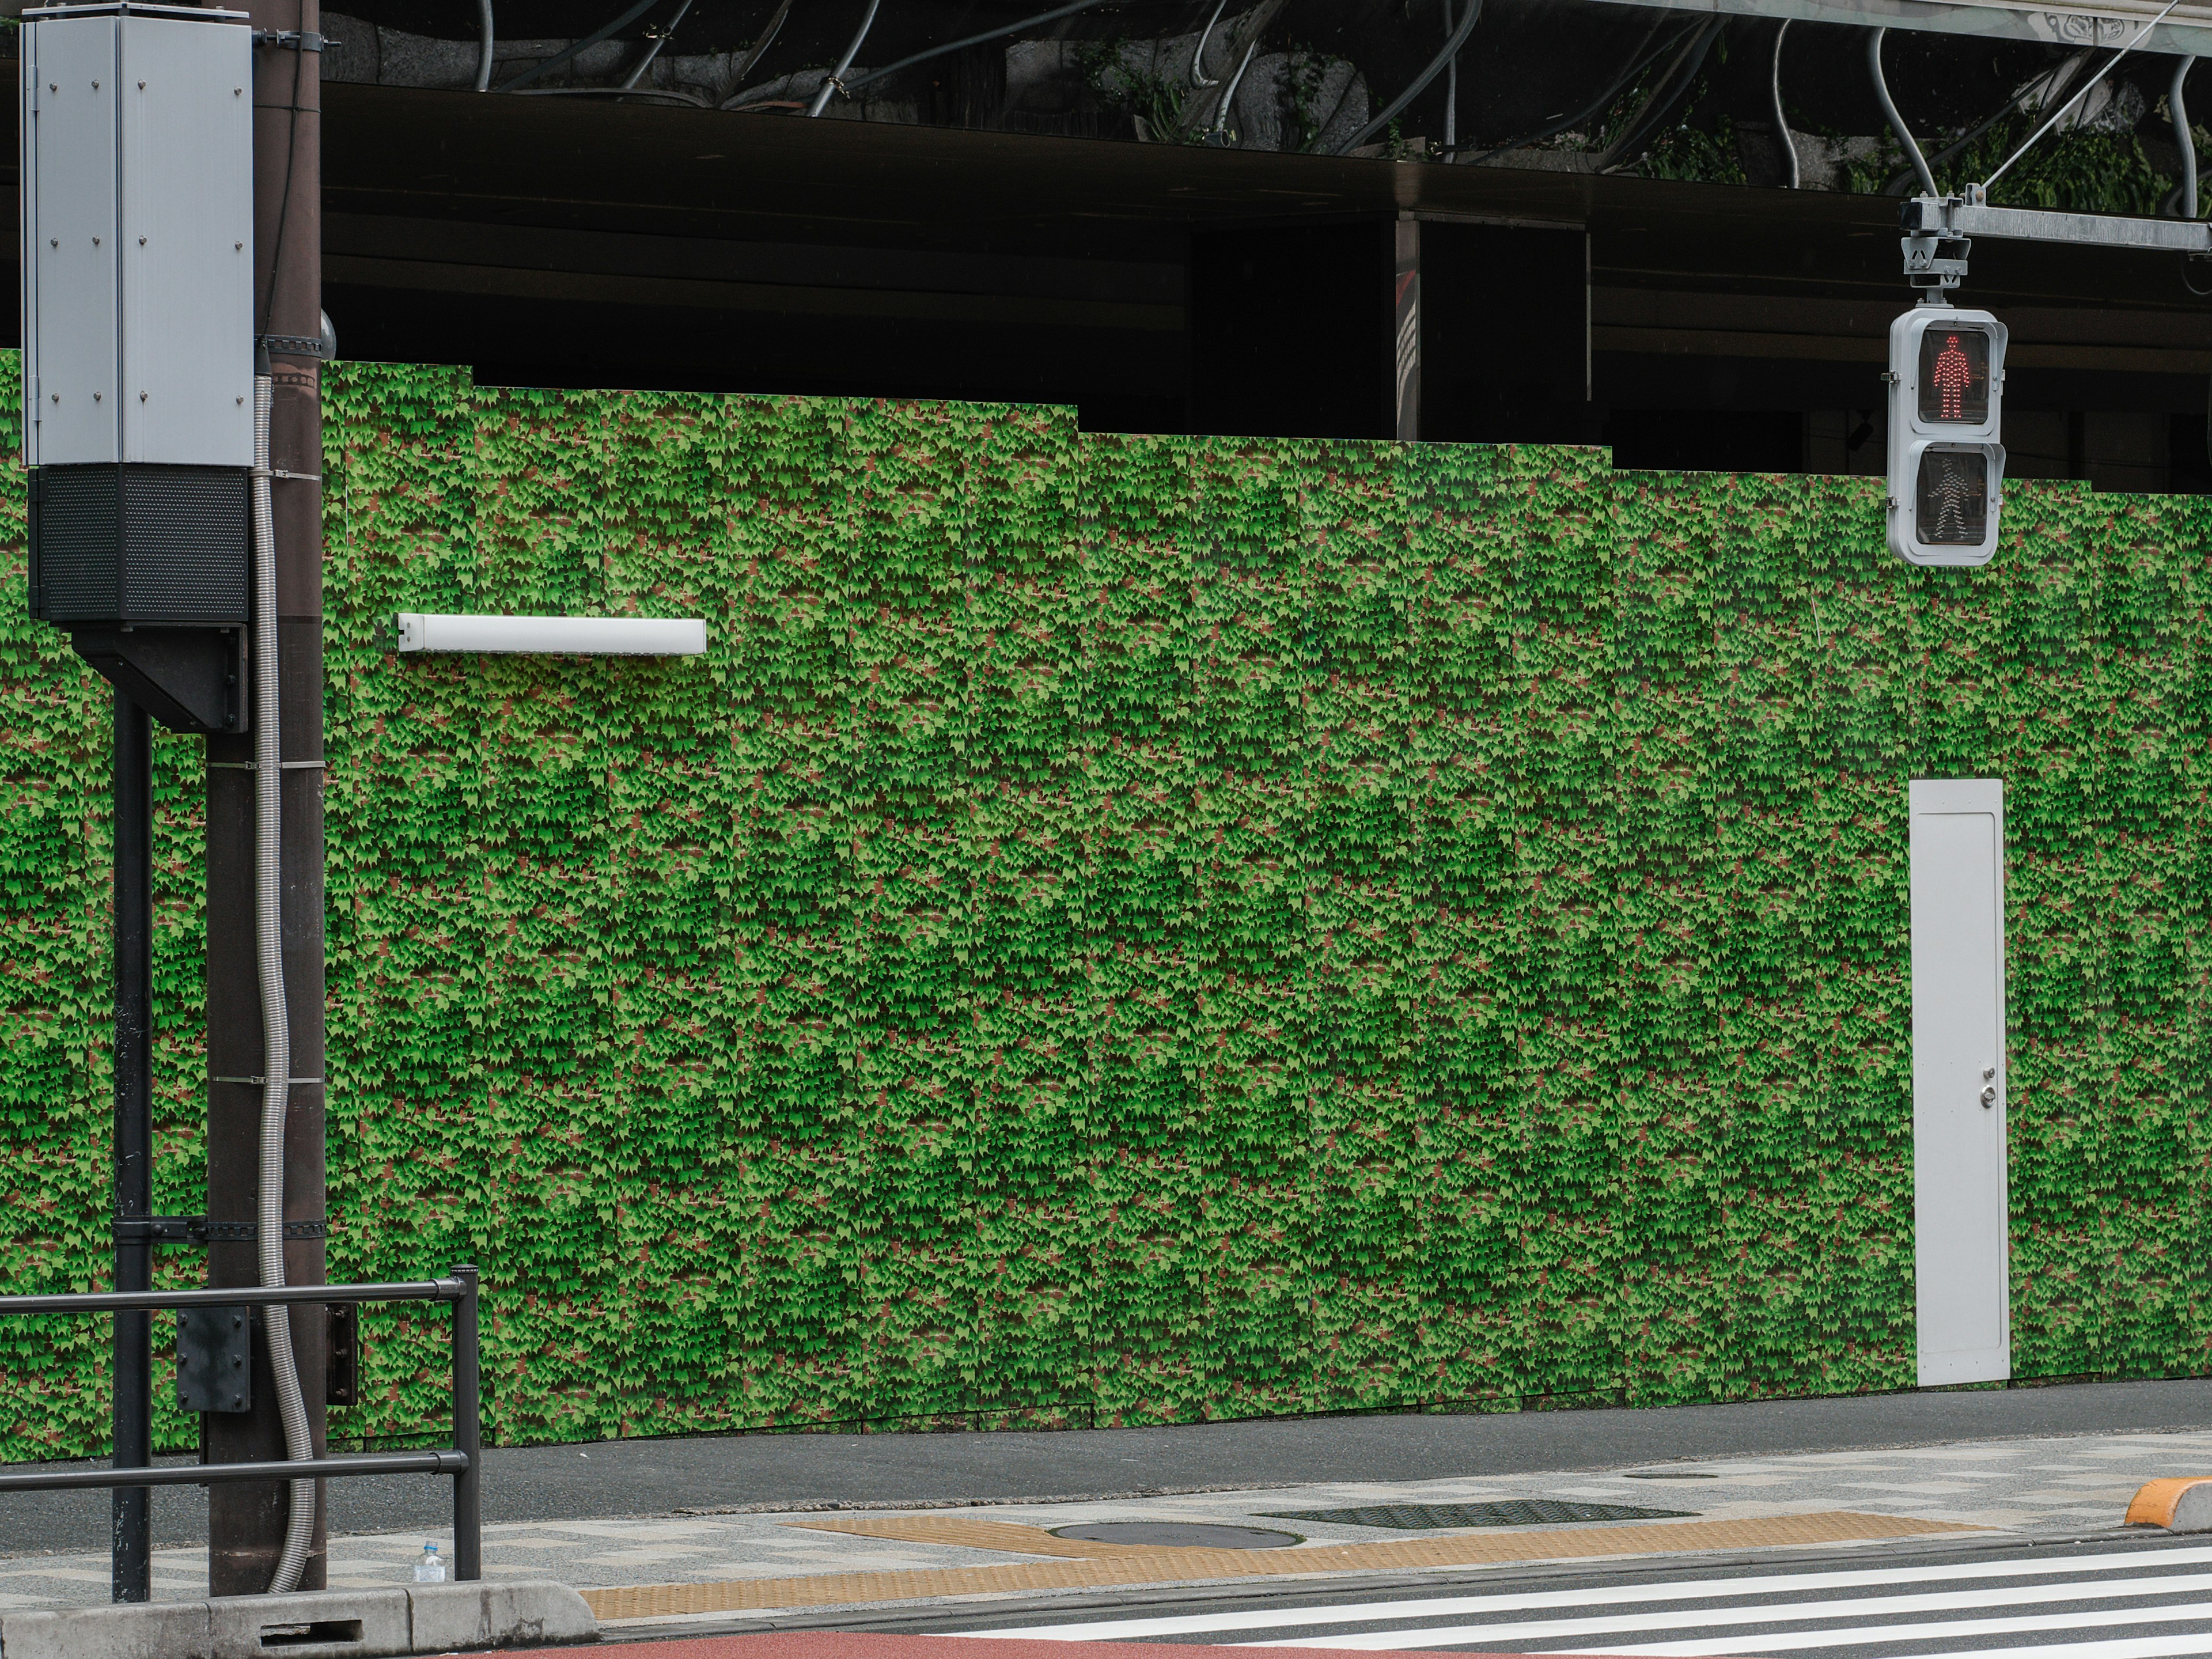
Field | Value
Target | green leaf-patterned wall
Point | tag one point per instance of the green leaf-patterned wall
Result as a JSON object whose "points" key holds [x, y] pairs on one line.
{"points": [[1122, 930]]}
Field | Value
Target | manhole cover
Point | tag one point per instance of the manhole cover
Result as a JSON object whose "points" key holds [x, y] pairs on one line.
{"points": [[1510, 1512], [1181, 1535]]}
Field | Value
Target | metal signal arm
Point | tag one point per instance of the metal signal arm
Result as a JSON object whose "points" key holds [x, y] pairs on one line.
{"points": [[1954, 218]]}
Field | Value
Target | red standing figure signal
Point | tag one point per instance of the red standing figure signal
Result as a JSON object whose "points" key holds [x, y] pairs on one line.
{"points": [[1953, 374]]}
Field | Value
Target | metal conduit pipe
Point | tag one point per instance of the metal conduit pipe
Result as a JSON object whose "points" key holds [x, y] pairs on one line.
{"points": [[576, 48], [1674, 84], [1220, 127], [1069, 10], [1451, 91], [2186, 194], [276, 1017], [835, 81], [1896, 121], [483, 45], [1780, 121], [760, 46], [1198, 75], [1559, 124], [1436, 64], [652, 51]]}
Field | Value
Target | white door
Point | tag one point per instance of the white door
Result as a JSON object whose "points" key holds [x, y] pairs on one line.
{"points": [[1960, 1215]]}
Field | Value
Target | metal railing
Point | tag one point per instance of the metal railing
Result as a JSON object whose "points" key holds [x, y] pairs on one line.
{"points": [[463, 1460]]}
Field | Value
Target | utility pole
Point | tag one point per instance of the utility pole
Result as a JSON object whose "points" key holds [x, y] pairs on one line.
{"points": [[132, 1410], [246, 1523]]}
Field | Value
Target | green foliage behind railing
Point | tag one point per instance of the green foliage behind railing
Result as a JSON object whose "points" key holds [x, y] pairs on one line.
{"points": [[1127, 930]]}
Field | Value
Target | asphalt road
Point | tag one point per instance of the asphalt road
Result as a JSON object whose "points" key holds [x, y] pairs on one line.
{"points": [[655, 1477]]}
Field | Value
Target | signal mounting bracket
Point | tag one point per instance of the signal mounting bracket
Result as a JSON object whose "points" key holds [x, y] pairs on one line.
{"points": [[1938, 230]]}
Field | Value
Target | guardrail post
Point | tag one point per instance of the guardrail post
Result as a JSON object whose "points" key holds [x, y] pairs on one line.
{"points": [[468, 1432]]}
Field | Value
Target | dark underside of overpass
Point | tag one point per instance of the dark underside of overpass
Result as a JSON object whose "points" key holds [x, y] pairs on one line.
{"points": [[1165, 288]]}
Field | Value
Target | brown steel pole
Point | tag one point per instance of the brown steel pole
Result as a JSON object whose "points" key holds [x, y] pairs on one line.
{"points": [[246, 1521]]}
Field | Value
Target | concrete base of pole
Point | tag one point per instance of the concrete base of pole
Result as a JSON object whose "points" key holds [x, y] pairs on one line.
{"points": [[319, 1625]]}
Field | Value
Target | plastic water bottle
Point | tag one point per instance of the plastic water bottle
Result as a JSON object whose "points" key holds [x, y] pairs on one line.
{"points": [[430, 1569]]}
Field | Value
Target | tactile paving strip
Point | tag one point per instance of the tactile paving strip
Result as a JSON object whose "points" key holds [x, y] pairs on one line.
{"points": [[1506, 1512], [1142, 1564]]}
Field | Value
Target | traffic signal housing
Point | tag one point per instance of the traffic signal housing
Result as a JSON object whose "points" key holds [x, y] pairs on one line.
{"points": [[1945, 413]]}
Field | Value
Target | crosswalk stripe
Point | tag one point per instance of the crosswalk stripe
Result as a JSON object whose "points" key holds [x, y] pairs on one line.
{"points": [[1862, 1635], [2126, 1647], [1448, 1607], [1781, 1613]]}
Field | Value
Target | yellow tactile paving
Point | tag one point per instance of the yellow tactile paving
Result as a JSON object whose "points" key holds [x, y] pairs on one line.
{"points": [[1004, 1536], [1153, 1565]]}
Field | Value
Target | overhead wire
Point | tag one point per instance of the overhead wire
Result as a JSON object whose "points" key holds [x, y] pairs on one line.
{"points": [[2088, 86], [1896, 121], [1390, 111], [1958, 146], [834, 83]]}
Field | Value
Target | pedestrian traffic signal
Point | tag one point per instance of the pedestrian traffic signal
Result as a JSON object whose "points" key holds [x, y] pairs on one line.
{"points": [[1946, 415]]}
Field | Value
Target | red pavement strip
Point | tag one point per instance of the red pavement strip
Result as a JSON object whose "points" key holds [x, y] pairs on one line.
{"points": [[869, 1644]]}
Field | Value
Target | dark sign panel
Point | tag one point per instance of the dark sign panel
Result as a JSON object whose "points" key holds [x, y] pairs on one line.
{"points": [[1954, 374], [1954, 497]]}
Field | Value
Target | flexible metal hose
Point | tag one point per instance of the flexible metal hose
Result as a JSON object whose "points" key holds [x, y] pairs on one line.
{"points": [[1781, 120], [484, 46], [2177, 106], [835, 83], [275, 1024], [1896, 121]]}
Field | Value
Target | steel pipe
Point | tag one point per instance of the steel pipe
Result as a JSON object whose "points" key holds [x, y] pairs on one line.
{"points": [[440, 1462], [239, 1295]]}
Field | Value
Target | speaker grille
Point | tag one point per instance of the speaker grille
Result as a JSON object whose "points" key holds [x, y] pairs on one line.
{"points": [[77, 522], [185, 540], [141, 544]]}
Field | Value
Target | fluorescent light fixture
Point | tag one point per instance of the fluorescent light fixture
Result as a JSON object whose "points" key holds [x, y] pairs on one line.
{"points": [[566, 636]]}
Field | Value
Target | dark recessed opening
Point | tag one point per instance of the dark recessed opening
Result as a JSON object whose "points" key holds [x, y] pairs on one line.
{"points": [[321, 1632], [1505, 1513], [1180, 1535]]}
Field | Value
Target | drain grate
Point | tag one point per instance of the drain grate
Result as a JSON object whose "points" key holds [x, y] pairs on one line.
{"points": [[1507, 1512]]}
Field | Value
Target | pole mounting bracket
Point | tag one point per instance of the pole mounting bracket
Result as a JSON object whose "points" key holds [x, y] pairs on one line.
{"points": [[293, 39], [198, 1229]]}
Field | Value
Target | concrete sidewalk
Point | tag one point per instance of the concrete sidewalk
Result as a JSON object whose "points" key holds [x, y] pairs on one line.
{"points": [[709, 1563], [786, 1471]]}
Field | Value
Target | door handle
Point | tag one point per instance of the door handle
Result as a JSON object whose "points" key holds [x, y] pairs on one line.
{"points": [[1989, 1095]]}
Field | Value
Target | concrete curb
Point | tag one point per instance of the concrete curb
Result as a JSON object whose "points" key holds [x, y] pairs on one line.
{"points": [[2180, 1505], [316, 1625]]}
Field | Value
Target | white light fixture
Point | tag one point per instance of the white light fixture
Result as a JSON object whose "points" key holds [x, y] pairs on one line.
{"points": [[566, 636]]}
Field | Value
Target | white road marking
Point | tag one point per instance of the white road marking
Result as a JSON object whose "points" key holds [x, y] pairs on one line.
{"points": [[1775, 1612], [1862, 1635], [1289, 1618], [2128, 1647]]}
